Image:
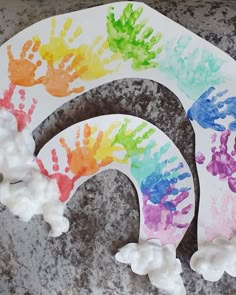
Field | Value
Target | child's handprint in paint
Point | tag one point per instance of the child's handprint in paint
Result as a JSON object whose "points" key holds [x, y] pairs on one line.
{"points": [[57, 79], [223, 162], [82, 159], [64, 182], [91, 58], [22, 116], [144, 165], [206, 110], [158, 184], [132, 39], [131, 140], [195, 71], [165, 214], [22, 70], [223, 218], [59, 46], [106, 149]]}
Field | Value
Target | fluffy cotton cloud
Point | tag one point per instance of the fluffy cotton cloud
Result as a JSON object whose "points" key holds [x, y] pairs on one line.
{"points": [[156, 261], [214, 258], [35, 194], [16, 148]]}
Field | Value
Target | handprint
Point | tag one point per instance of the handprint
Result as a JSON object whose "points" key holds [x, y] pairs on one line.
{"points": [[123, 38], [22, 116], [144, 165], [194, 71], [206, 110], [130, 140], [64, 182], [57, 79], [223, 163], [165, 215], [223, 218], [158, 184], [22, 71], [59, 46], [106, 149], [82, 159], [92, 59]]}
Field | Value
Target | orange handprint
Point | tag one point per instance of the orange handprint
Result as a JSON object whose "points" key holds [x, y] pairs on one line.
{"points": [[58, 47], [96, 59], [57, 80], [22, 71], [82, 160]]}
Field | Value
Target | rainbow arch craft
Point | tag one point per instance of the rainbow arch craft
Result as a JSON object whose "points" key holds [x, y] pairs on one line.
{"points": [[42, 69], [138, 149]]}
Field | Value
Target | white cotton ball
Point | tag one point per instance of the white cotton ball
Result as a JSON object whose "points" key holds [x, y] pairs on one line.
{"points": [[214, 258], [16, 148], [158, 262], [36, 194]]}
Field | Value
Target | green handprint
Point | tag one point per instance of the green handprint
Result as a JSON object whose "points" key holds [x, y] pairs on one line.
{"points": [[123, 38], [130, 140]]}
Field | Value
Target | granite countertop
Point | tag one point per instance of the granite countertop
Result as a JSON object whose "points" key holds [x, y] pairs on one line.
{"points": [[104, 211]]}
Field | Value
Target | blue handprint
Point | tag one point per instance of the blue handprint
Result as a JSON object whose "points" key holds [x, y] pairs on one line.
{"points": [[206, 110]]}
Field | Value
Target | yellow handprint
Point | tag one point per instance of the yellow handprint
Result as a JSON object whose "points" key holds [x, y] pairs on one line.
{"points": [[96, 59], [106, 149], [58, 46]]}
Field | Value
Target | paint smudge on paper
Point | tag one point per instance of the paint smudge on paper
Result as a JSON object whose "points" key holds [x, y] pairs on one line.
{"points": [[22, 70], [65, 183], [194, 71], [133, 39], [200, 158], [223, 218], [223, 162], [207, 110], [22, 116]]}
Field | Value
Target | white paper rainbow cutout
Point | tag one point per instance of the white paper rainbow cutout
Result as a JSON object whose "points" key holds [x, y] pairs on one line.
{"points": [[46, 69]]}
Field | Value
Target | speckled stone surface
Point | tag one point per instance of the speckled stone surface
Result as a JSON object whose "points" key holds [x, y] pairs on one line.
{"points": [[104, 211]]}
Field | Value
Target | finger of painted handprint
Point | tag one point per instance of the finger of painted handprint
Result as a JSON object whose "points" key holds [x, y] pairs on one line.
{"points": [[59, 45], [23, 117], [144, 165], [93, 58], [65, 183], [161, 183], [22, 70], [207, 110], [82, 159], [195, 71], [57, 79], [223, 162], [132, 39], [131, 140]]}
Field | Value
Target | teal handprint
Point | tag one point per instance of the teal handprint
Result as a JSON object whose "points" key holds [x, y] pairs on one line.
{"points": [[144, 165], [132, 39], [194, 71]]}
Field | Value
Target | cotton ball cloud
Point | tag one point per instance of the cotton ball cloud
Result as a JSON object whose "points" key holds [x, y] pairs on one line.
{"points": [[214, 258], [35, 194], [156, 261], [16, 148]]}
